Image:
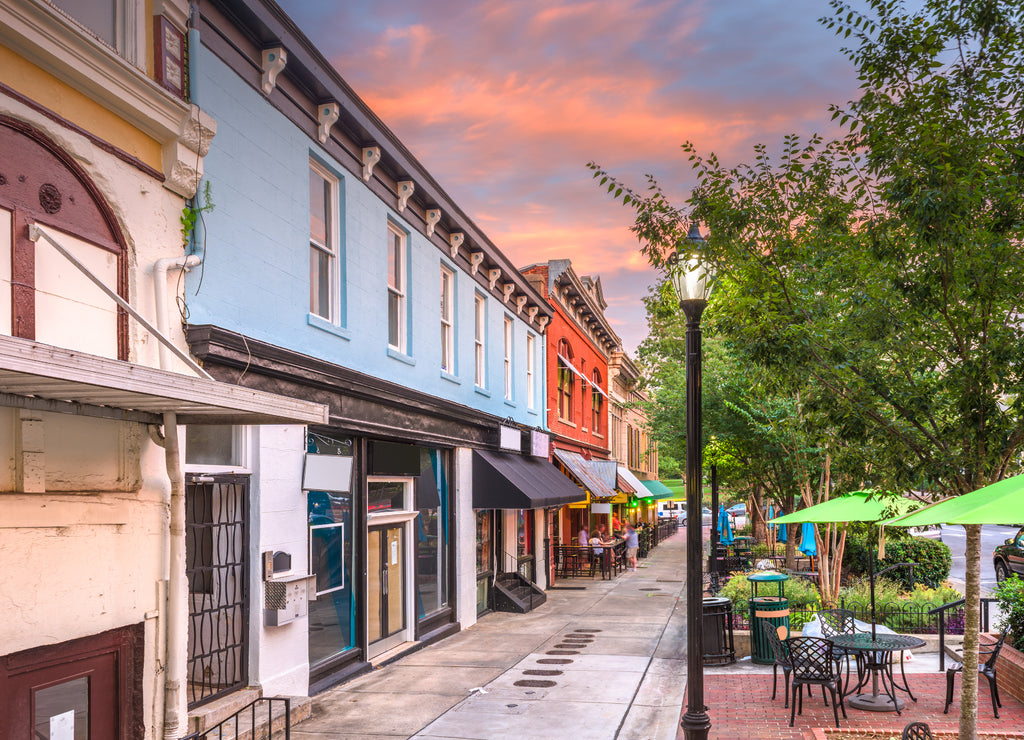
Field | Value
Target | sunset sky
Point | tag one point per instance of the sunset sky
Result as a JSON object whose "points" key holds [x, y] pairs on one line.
{"points": [[505, 102]]}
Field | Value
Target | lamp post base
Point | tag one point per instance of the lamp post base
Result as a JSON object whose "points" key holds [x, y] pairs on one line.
{"points": [[696, 725]]}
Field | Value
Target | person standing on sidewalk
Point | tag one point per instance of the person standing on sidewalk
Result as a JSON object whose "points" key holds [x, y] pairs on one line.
{"points": [[632, 546]]}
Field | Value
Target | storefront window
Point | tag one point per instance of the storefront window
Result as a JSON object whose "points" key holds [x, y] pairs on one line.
{"points": [[432, 534], [525, 529], [332, 614], [484, 538]]}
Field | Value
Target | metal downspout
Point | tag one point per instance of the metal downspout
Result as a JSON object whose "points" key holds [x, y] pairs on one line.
{"points": [[175, 704]]}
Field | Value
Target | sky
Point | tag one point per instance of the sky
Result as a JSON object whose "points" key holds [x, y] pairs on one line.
{"points": [[506, 101]]}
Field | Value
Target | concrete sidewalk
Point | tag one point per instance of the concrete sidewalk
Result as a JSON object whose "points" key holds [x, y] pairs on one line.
{"points": [[600, 659]]}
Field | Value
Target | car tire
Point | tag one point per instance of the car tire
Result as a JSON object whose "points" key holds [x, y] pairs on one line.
{"points": [[1001, 571]]}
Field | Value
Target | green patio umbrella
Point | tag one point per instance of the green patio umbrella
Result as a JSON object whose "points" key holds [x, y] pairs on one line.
{"points": [[999, 503], [859, 506]]}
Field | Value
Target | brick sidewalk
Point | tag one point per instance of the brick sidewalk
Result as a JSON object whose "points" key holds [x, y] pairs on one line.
{"points": [[741, 708]]}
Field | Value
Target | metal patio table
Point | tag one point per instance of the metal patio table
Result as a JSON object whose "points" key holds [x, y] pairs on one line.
{"points": [[877, 654]]}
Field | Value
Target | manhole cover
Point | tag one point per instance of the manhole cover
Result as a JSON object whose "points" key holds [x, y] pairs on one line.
{"points": [[593, 630], [535, 683], [563, 652], [578, 638], [571, 645], [554, 661], [540, 672]]}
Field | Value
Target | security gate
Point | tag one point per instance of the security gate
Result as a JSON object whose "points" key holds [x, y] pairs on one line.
{"points": [[216, 557]]}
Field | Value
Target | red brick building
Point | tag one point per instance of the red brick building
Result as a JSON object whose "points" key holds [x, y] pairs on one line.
{"points": [[580, 342]]}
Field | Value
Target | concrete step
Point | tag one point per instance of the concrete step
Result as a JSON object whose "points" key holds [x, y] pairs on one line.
{"points": [[208, 716]]}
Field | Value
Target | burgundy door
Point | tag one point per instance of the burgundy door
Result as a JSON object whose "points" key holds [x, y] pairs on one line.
{"points": [[85, 689]]}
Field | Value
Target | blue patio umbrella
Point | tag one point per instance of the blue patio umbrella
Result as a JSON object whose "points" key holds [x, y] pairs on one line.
{"points": [[724, 527], [807, 544], [782, 533]]}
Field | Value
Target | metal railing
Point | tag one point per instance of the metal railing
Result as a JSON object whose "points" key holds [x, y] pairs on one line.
{"points": [[255, 720], [923, 620], [940, 613]]}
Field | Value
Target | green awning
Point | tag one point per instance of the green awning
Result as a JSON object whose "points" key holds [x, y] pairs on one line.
{"points": [[999, 503], [860, 506], [658, 490]]}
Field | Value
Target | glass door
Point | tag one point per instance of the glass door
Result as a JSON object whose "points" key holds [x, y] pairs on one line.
{"points": [[386, 618]]}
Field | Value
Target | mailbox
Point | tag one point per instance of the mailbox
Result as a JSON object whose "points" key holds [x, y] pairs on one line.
{"points": [[285, 599]]}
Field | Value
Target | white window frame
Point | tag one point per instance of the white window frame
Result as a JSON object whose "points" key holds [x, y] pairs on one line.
{"points": [[447, 310], [398, 291], [479, 337], [507, 341], [531, 379], [129, 30], [331, 249]]}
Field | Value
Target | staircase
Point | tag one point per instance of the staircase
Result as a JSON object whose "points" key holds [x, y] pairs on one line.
{"points": [[513, 593]]}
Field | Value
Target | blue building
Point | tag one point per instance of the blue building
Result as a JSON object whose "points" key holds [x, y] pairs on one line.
{"points": [[334, 268]]}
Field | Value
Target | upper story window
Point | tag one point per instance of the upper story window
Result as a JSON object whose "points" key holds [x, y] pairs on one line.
{"points": [[479, 348], [508, 358], [565, 381], [596, 405], [531, 378], [323, 244], [447, 320], [397, 329], [117, 23]]}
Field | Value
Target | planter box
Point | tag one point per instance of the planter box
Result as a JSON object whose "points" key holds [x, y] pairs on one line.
{"points": [[1009, 669]]}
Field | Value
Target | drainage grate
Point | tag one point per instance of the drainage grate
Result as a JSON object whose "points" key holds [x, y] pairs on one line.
{"points": [[570, 645], [587, 630], [649, 589], [554, 661], [539, 672], [534, 683], [563, 652], [669, 580]]}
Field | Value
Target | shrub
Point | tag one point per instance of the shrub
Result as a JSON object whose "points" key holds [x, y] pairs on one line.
{"points": [[760, 550], [802, 595], [902, 611], [1010, 595], [932, 559]]}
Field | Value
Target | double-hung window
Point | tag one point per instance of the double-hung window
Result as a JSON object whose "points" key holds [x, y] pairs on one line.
{"points": [[323, 244], [565, 381], [397, 330], [596, 405], [508, 358], [447, 321], [479, 352], [531, 388]]}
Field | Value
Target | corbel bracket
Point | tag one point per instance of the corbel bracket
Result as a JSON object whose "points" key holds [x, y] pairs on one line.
{"points": [[520, 302], [273, 62], [405, 190], [433, 219], [492, 276], [531, 313], [326, 116], [475, 260], [371, 156], [506, 291], [456, 238], [542, 322]]}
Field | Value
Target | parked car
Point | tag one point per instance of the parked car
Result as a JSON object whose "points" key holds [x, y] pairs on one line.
{"points": [[1008, 558], [737, 510], [705, 518]]}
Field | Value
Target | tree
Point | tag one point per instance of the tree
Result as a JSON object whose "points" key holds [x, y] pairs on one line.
{"points": [[888, 265]]}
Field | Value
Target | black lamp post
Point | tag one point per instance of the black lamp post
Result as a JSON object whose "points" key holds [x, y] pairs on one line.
{"points": [[692, 282]]}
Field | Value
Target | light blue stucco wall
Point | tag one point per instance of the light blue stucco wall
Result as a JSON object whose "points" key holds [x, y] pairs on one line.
{"points": [[255, 273]]}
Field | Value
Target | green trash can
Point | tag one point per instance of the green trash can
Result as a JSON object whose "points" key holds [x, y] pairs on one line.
{"points": [[763, 608]]}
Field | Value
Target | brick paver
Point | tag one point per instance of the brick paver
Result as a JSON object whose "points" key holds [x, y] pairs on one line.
{"points": [[741, 708]]}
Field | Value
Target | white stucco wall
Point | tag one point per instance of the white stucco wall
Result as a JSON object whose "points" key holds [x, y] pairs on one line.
{"points": [[465, 547], [280, 655]]}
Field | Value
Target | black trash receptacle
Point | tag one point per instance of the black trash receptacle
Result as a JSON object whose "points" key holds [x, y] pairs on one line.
{"points": [[717, 622], [771, 609]]}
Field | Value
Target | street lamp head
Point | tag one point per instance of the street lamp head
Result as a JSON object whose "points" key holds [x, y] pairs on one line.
{"points": [[688, 269]]}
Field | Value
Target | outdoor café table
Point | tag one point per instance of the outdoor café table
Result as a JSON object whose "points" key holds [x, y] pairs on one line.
{"points": [[877, 654]]}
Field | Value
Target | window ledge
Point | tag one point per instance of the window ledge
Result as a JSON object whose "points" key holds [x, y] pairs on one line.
{"points": [[401, 356], [535, 412], [597, 434], [482, 391], [566, 422], [319, 322], [513, 404], [445, 375]]}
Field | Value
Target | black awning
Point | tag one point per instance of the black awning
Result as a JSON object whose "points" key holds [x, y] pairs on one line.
{"points": [[504, 481]]}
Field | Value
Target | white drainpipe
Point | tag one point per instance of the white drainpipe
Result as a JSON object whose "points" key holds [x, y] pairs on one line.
{"points": [[175, 620]]}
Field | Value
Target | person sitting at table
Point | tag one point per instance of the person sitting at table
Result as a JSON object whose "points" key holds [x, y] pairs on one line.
{"points": [[602, 533], [584, 537]]}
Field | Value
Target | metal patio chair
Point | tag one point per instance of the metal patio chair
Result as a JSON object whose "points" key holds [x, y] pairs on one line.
{"points": [[814, 665], [779, 654], [986, 669], [917, 731]]}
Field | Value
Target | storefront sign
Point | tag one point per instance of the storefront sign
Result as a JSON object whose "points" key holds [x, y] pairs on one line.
{"points": [[511, 439], [540, 444], [600, 508], [327, 473]]}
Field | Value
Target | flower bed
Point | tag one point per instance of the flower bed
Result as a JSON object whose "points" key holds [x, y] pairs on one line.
{"points": [[840, 734]]}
